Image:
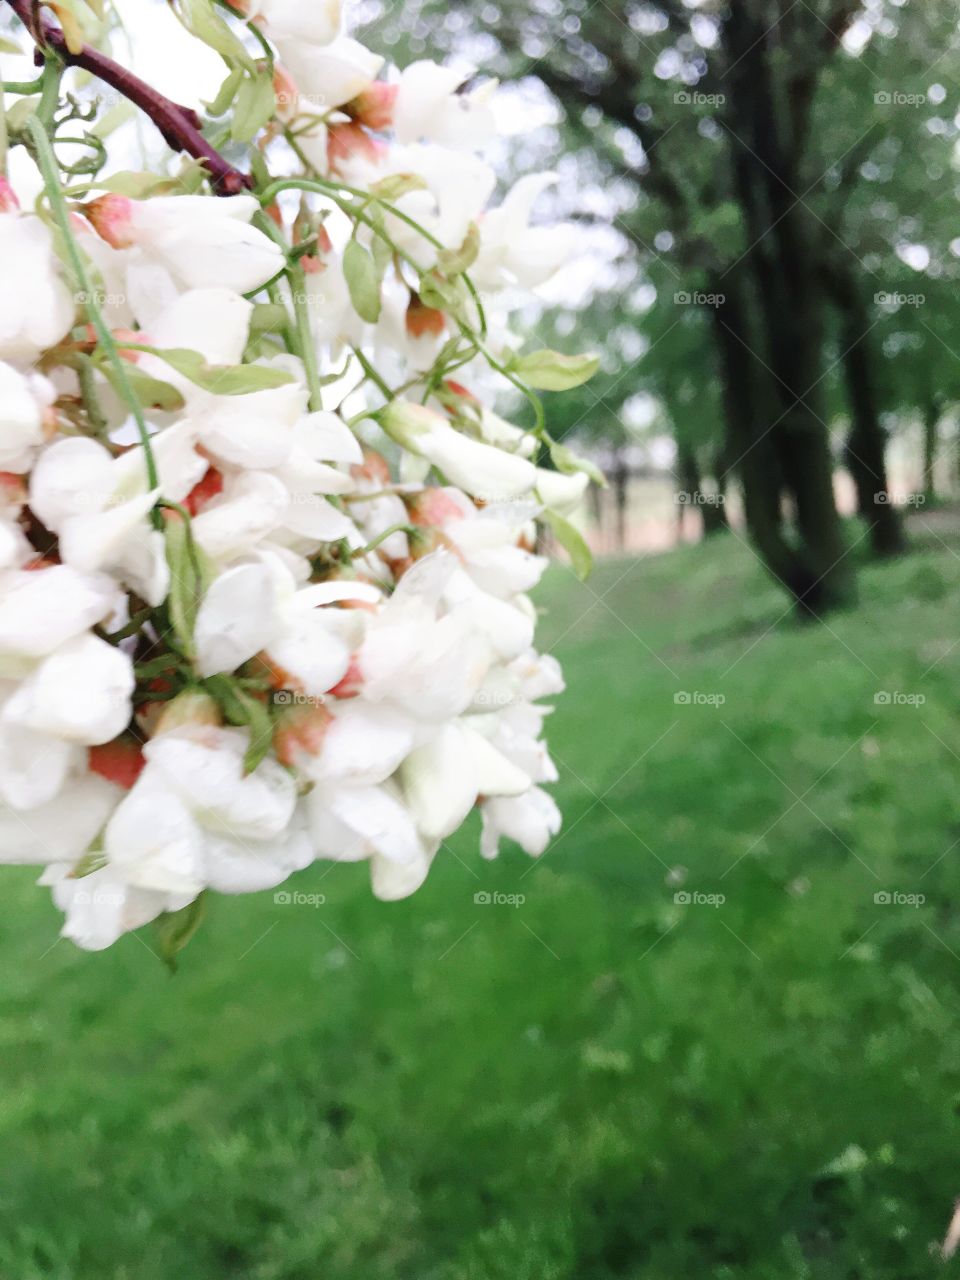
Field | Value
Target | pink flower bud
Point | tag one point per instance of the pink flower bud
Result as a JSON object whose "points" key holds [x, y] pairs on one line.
{"points": [[111, 217], [373, 106]]}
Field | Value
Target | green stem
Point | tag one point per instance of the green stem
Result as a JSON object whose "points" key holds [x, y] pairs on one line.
{"points": [[305, 346], [308, 349], [335, 189], [51, 180], [382, 537], [25, 87], [49, 91], [372, 374]]}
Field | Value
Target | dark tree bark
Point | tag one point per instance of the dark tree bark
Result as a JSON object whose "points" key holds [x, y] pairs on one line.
{"points": [[790, 306], [866, 441]]}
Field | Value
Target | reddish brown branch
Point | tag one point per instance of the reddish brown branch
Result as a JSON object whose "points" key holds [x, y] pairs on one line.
{"points": [[179, 125]]}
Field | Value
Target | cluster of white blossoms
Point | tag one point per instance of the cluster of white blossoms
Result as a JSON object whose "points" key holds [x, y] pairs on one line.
{"points": [[265, 553]]}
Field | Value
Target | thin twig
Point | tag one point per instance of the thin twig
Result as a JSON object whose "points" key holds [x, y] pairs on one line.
{"points": [[180, 126]]}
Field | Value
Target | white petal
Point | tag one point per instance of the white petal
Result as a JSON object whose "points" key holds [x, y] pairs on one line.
{"points": [[236, 619]]}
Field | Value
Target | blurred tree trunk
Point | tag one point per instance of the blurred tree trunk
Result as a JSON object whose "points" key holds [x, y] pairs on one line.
{"points": [[715, 520], [689, 485], [866, 442], [765, 144]]}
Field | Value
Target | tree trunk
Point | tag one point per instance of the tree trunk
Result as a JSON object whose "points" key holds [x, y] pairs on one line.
{"points": [[866, 441], [777, 266]]}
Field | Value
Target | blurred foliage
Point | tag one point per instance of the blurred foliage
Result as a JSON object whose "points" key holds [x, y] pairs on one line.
{"points": [[642, 143]]}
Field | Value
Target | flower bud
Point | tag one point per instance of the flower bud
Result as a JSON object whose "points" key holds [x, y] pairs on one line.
{"points": [[373, 106]]}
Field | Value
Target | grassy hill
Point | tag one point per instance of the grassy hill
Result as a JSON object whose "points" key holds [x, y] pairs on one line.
{"points": [[601, 1082]]}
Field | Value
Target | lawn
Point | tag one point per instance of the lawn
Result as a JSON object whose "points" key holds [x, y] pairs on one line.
{"points": [[599, 1081]]}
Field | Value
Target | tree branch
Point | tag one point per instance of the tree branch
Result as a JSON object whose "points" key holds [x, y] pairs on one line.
{"points": [[179, 126]]}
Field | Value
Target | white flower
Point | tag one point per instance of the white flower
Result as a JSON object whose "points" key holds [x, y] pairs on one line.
{"points": [[418, 657], [24, 402], [316, 22], [428, 106], [36, 307], [202, 242], [561, 493], [101, 907], [331, 75], [479, 469], [42, 609], [62, 829], [511, 251], [350, 824], [81, 692], [443, 779], [531, 819], [249, 837]]}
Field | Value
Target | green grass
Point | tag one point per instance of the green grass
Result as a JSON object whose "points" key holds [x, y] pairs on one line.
{"points": [[599, 1083]]}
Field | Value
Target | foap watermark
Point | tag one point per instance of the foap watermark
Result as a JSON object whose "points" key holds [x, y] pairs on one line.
{"points": [[494, 898], [694, 898], [896, 98], [100, 298], [894, 299], [98, 898], [495, 698], [295, 898], [699, 499], [898, 698], [698, 299], [694, 698], [296, 698], [693, 98], [886, 499], [896, 898]]}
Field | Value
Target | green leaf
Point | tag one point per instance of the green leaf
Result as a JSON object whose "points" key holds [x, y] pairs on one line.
{"points": [[139, 184], [548, 370], [9, 46], [226, 94], [174, 929], [268, 317], [396, 185], [255, 104], [202, 19], [565, 460], [442, 294], [572, 541], [219, 379], [363, 281], [242, 708], [190, 575], [454, 261], [151, 392]]}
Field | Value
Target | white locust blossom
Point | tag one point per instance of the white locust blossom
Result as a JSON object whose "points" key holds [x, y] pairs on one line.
{"points": [[256, 610]]}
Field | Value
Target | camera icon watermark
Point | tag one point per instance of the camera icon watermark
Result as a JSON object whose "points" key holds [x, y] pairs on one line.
{"points": [[898, 698], [895, 98], [295, 898], [886, 499], [694, 898], [694, 698], [296, 698], [487, 898], [696, 298], [885, 298], [895, 898]]}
